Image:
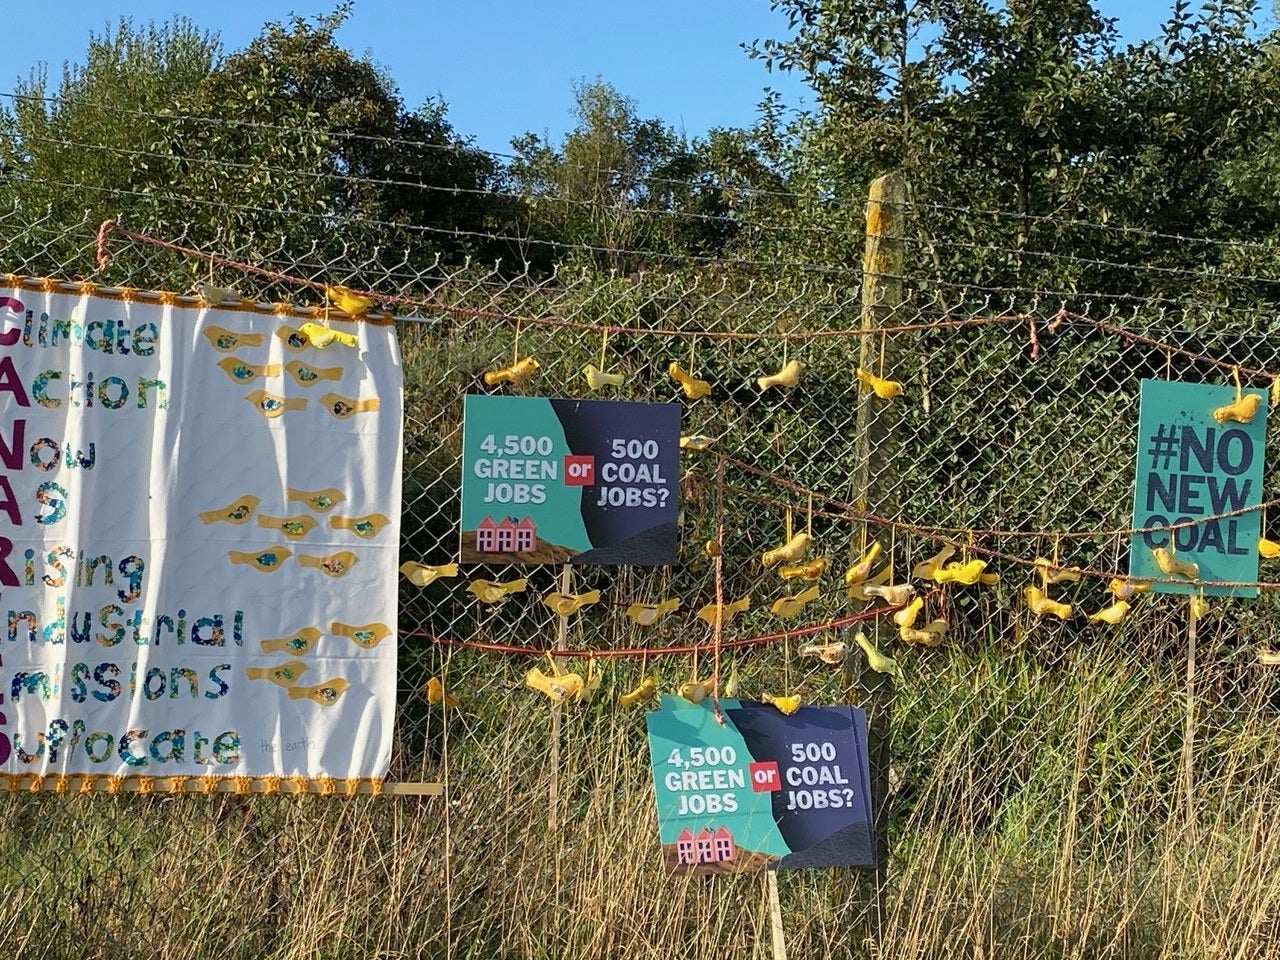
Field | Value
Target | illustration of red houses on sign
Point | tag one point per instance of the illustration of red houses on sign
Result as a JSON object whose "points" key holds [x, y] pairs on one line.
{"points": [[706, 847], [506, 536]]}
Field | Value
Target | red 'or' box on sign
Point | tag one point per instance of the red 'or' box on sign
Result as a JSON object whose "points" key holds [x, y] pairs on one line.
{"points": [[579, 470], [764, 776]]}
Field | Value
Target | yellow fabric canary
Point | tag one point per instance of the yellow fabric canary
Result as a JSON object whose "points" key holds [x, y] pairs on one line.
{"points": [[708, 613], [598, 379], [1112, 614], [436, 694], [1123, 589], [518, 373], [894, 596], [308, 376], [788, 607], [492, 591], [420, 574], [787, 705], [789, 552], [647, 614], [1041, 605], [348, 301], [832, 652], [694, 389], [880, 662], [965, 574], [1199, 606], [813, 570], [267, 561], [320, 336], [644, 692], [1268, 549], [930, 635], [1171, 566], [557, 688], [696, 442], [882, 388], [212, 296], [567, 604], [787, 377], [906, 617], [366, 527], [1051, 573], [695, 691], [1240, 410], [928, 569], [861, 591]]}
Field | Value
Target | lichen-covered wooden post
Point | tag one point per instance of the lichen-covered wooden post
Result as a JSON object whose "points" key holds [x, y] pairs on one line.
{"points": [[882, 270]]}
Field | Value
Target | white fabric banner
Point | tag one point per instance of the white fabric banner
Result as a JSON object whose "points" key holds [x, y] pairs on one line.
{"points": [[199, 534]]}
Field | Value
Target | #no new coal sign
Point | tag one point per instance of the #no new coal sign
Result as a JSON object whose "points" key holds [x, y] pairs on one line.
{"points": [[1200, 477]]}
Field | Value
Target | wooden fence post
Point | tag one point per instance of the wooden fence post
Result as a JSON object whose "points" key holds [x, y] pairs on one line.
{"points": [[882, 296]]}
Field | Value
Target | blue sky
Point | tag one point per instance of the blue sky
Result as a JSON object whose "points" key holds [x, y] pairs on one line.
{"points": [[505, 66]]}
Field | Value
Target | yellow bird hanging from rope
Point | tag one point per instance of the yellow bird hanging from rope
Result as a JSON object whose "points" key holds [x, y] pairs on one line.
{"points": [[862, 591], [832, 652], [708, 612], [695, 691], [645, 691], [1112, 614], [906, 617], [647, 614], [882, 388], [788, 607], [1199, 606], [437, 694], [1050, 572], [894, 596], [930, 635], [492, 591], [1268, 549], [421, 574], [694, 389], [812, 570], [1123, 589], [965, 574], [928, 569], [879, 662], [1240, 410], [1171, 566], [861, 568], [518, 374], [598, 379], [1041, 605], [348, 301], [696, 442], [567, 604], [558, 687], [789, 552], [787, 705], [787, 377]]}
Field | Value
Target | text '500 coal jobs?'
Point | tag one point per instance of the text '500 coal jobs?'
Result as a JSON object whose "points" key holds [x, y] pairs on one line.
{"points": [[518, 468]]}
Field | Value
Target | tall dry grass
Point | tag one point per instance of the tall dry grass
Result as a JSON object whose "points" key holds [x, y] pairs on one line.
{"points": [[1038, 811]]}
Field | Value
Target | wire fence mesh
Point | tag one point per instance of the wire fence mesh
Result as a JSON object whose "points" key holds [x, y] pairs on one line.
{"points": [[1033, 772]]}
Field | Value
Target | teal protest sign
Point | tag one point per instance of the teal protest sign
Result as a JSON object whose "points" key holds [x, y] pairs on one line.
{"points": [[1197, 466], [569, 481], [760, 791]]}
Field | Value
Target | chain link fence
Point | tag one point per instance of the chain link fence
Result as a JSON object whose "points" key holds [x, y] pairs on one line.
{"points": [[1032, 773]]}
